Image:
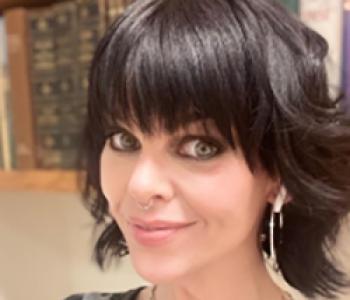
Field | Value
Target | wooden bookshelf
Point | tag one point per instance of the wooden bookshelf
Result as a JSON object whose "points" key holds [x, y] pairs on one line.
{"points": [[39, 180], [5, 4]]}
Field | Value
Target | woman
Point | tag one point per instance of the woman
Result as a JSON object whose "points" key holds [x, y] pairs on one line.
{"points": [[211, 140]]}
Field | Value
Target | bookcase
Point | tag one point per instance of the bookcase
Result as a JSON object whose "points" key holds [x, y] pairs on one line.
{"points": [[49, 49]]}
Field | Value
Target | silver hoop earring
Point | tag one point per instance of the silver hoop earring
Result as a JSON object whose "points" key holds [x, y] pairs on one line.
{"points": [[276, 221], [146, 206]]}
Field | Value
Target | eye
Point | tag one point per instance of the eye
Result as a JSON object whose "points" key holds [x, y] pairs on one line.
{"points": [[200, 149], [124, 142]]}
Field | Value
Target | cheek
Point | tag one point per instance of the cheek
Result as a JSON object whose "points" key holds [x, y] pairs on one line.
{"points": [[228, 193], [113, 179]]}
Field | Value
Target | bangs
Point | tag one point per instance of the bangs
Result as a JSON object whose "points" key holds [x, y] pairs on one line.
{"points": [[170, 62], [173, 72]]}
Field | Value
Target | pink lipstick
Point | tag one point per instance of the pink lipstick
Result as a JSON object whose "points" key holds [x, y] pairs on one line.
{"points": [[155, 233]]}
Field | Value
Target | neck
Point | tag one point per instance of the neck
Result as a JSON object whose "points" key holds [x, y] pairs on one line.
{"points": [[244, 279]]}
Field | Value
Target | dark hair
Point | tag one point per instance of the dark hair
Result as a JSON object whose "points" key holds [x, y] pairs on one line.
{"points": [[245, 64]]}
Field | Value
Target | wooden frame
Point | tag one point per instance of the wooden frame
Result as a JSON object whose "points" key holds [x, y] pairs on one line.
{"points": [[39, 180], [5, 4]]}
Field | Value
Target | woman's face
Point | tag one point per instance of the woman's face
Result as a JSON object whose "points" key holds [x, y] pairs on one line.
{"points": [[193, 177]]}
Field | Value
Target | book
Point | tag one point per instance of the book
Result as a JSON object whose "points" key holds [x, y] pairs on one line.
{"points": [[94, 17], [45, 104], [54, 84], [91, 26], [66, 49], [17, 39], [7, 152], [2, 94], [326, 17], [67, 78], [292, 5], [346, 56], [115, 8]]}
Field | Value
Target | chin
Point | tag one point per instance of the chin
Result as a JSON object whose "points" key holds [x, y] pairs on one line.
{"points": [[158, 272]]}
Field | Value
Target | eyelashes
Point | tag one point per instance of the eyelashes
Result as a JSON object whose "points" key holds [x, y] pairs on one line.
{"points": [[196, 147], [122, 141], [200, 147]]}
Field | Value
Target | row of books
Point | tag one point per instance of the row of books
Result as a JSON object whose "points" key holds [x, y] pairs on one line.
{"points": [[45, 55], [44, 67]]}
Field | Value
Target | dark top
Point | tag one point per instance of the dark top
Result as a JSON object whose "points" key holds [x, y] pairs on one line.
{"points": [[127, 295]]}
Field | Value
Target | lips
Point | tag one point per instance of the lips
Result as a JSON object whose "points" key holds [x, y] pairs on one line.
{"points": [[158, 233], [158, 224], [152, 228]]}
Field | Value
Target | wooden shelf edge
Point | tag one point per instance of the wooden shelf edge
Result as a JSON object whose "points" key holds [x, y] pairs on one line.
{"points": [[8, 4], [39, 180]]}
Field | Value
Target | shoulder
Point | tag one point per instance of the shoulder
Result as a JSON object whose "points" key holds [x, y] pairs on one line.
{"points": [[126, 295]]}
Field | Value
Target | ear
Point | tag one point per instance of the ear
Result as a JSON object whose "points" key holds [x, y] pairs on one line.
{"points": [[279, 196], [273, 190]]}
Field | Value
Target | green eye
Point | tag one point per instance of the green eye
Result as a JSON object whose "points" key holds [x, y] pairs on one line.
{"points": [[123, 141], [200, 149]]}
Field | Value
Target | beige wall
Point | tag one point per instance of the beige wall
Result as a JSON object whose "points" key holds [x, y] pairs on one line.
{"points": [[45, 250]]}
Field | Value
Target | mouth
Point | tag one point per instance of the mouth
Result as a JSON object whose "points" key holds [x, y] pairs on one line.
{"points": [[157, 235], [158, 224], [153, 228]]}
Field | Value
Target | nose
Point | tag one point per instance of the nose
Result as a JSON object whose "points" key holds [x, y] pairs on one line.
{"points": [[149, 182]]}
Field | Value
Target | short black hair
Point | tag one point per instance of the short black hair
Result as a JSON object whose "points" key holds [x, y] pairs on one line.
{"points": [[250, 65]]}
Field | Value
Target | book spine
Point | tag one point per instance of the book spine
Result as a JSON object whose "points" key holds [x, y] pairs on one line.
{"points": [[326, 17], [44, 86], [2, 116], [21, 100], [7, 152], [90, 29], [115, 8], [2, 95], [103, 14], [54, 83], [67, 72], [346, 55], [292, 5]]}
